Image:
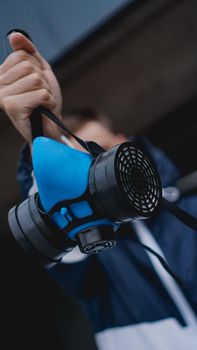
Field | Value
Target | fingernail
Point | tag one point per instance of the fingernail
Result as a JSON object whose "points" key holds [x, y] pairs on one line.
{"points": [[17, 30]]}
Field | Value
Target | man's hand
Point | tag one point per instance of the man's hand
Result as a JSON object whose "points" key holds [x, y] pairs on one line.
{"points": [[26, 82]]}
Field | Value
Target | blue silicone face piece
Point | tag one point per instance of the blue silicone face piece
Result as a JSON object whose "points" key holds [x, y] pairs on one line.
{"points": [[61, 174]]}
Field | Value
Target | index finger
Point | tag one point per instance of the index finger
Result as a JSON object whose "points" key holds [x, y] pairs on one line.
{"points": [[16, 57]]}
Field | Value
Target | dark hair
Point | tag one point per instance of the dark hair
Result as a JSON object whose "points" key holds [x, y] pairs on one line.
{"points": [[74, 119]]}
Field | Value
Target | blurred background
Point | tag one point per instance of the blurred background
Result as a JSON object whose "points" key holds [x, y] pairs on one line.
{"points": [[137, 62]]}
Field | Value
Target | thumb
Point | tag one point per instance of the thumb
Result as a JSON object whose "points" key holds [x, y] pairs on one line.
{"points": [[19, 41]]}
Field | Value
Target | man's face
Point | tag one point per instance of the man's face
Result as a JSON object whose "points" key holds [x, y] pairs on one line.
{"points": [[95, 131]]}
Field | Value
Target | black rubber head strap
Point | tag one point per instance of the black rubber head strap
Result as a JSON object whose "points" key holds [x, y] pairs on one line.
{"points": [[37, 130], [36, 124], [180, 214]]}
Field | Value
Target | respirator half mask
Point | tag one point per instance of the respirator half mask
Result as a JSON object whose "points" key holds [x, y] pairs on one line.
{"points": [[83, 197]]}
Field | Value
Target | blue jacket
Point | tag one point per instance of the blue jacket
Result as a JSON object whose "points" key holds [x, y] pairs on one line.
{"points": [[120, 289]]}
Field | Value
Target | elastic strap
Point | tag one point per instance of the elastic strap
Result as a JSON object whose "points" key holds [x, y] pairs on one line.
{"points": [[36, 124], [162, 261], [180, 214], [37, 130]]}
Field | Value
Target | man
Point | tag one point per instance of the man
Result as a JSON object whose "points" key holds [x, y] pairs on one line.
{"points": [[129, 298]]}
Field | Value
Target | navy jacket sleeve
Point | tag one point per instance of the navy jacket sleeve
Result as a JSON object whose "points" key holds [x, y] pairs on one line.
{"points": [[24, 171]]}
